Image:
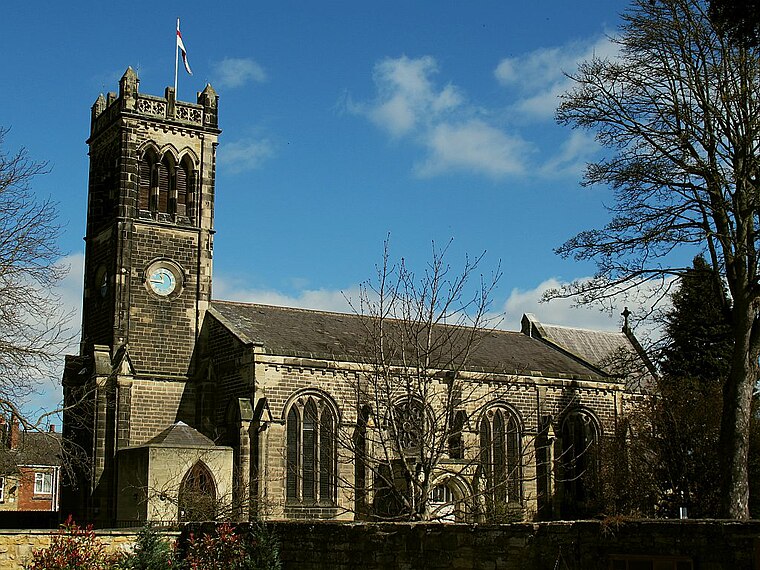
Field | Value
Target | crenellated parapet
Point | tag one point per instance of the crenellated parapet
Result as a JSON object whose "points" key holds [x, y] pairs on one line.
{"points": [[129, 101]]}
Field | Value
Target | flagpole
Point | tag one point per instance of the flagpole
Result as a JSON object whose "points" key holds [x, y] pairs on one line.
{"points": [[176, 58]]}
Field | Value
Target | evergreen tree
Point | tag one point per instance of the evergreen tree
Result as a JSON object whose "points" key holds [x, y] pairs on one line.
{"points": [[676, 432], [675, 448], [698, 329], [686, 412], [685, 417]]}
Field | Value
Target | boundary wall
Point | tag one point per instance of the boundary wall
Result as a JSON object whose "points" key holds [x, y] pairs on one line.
{"points": [[580, 545]]}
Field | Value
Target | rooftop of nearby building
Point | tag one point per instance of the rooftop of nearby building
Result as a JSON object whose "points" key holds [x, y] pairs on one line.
{"points": [[180, 434], [324, 335], [39, 448], [614, 352], [19, 447]]}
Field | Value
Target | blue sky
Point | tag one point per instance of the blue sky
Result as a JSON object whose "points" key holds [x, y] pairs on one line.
{"points": [[342, 122]]}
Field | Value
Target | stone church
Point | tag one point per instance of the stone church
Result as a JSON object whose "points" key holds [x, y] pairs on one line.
{"points": [[181, 407]]}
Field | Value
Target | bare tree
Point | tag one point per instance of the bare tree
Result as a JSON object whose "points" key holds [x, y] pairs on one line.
{"points": [[33, 331], [417, 390], [678, 110], [737, 19]]}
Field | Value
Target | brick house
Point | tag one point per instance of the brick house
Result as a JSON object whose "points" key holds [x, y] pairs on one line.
{"points": [[30, 463], [189, 408]]}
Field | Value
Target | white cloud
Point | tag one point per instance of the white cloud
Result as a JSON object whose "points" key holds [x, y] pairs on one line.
{"points": [[566, 312], [70, 290], [407, 96], [453, 133], [557, 311], [318, 299], [538, 77], [457, 135], [571, 158], [245, 155], [473, 145], [48, 394], [234, 72]]}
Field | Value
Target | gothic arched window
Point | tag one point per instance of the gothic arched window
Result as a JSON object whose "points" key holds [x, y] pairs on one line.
{"points": [[183, 188], [311, 451], [580, 470], [165, 172], [362, 451], [456, 441], [500, 459], [147, 180], [197, 494]]}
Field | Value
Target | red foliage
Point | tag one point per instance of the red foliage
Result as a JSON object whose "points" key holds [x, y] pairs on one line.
{"points": [[75, 548]]}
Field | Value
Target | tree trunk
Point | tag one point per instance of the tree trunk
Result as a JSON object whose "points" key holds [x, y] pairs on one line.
{"points": [[735, 419]]}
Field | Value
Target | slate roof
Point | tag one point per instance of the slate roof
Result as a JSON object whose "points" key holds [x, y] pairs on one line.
{"points": [[7, 462], [615, 353], [306, 333], [180, 435], [34, 448], [38, 448]]}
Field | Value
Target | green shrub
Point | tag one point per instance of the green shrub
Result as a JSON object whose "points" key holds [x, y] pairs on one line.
{"points": [[152, 551], [264, 548]]}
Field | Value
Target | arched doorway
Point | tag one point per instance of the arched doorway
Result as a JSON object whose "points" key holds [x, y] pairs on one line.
{"points": [[447, 501]]}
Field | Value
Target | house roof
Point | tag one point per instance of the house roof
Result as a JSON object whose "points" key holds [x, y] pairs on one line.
{"points": [[8, 464], [38, 448], [616, 353], [180, 435], [33, 448], [307, 333]]}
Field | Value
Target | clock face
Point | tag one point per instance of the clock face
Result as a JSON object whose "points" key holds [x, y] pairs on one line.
{"points": [[162, 281]]}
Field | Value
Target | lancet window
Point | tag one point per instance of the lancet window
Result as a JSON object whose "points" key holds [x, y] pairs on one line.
{"points": [[166, 188], [500, 458], [311, 451], [197, 494], [580, 458]]}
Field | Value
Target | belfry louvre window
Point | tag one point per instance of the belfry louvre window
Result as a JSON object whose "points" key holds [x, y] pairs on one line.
{"points": [[144, 184], [500, 459], [311, 460], [165, 187], [164, 181], [179, 206]]}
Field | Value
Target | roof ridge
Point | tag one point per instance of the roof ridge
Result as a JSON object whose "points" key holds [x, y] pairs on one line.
{"points": [[294, 309], [354, 315], [582, 329]]}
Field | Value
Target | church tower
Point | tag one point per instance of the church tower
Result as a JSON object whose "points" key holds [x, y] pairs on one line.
{"points": [[148, 261]]}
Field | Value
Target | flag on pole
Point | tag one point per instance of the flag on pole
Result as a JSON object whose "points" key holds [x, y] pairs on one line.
{"points": [[181, 48]]}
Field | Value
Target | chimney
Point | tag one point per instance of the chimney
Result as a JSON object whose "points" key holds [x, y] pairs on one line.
{"points": [[14, 439]]}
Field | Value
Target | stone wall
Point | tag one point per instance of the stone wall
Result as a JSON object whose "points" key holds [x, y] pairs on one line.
{"points": [[582, 545], [16, 546]]}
